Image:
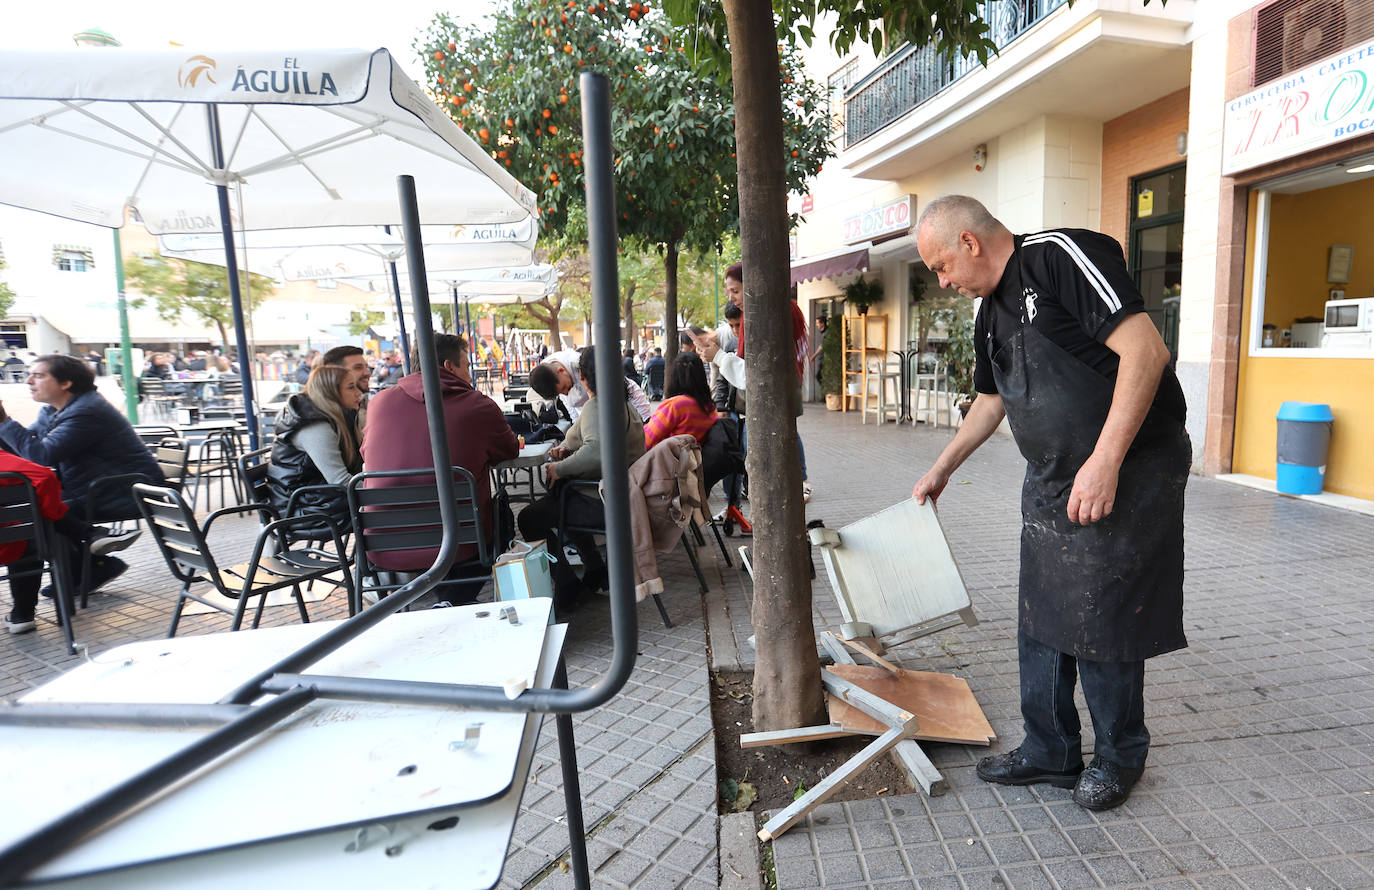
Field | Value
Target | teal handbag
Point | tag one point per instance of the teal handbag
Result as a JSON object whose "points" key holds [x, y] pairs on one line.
{"points": [[522, 572]]}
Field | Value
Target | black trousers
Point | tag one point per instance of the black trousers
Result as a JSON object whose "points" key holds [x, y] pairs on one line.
{"points": [[539, 521], [1114, 691], [26, 573]]}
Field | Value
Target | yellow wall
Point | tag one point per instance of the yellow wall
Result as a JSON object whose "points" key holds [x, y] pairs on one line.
{"points": [[1302, 229], [1347, 385]]}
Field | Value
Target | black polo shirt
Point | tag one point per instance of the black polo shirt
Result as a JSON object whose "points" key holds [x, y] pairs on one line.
{"points": [[1076, 291]]}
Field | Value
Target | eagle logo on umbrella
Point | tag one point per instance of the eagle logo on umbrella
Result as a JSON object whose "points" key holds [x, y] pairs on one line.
{"points": [[193, 68]]}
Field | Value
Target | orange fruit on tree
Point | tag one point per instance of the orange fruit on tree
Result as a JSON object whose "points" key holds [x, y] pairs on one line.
{"points": [[467, 86], [439, 78], [547, 113], [509, 122], [452, 46], [795, 153], [553, 131], [438, 55], [484, 134]]}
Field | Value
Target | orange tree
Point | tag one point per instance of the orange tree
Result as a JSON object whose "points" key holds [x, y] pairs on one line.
{"points": [[513, 85]]}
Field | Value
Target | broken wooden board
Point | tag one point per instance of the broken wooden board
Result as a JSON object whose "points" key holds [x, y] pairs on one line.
{"points": [[945, 707], [862, 647]]}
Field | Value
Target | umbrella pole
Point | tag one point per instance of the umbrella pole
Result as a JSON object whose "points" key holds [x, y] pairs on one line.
{"points": [[456, 328], [231, 267], [400, 313]]}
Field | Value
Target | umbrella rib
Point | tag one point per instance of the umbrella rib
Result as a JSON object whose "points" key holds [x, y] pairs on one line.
{"points": [[157, 157], [167, 134], [193, 165], [299, 156]]}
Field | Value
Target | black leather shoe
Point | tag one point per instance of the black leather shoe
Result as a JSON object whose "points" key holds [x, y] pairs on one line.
{"points": [[598, 579], [1104, 785], [1012, 768]]}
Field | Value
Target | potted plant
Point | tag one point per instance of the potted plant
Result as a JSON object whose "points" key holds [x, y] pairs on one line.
{"points": [[959, 356], [862, 293], [831, 367]]}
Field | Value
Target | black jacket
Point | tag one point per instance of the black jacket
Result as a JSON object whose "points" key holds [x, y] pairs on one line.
{"points": [[291, 469], [87, 440]]}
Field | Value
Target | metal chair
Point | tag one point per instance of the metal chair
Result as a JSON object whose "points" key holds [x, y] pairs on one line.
{"points": [[184, 546], [22, 521], [152, 434], [406, 516], [593, 490], [215, 461]]}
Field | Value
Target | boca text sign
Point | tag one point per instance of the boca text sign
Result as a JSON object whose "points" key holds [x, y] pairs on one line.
{"points": [[1322, 104], [895, 216]]}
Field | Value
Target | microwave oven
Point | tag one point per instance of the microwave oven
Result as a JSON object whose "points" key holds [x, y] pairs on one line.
{"points": [[1350, 316]]}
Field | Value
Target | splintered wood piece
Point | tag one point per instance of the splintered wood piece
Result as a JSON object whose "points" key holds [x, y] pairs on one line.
{"points": [[830, 784], [790, 736], [945, 707], [874, 657]]}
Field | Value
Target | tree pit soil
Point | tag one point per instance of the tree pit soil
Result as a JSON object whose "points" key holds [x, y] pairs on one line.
{"points": [[776, 770]]}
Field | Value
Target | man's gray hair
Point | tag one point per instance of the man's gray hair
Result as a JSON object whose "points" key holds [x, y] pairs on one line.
{"points": [[948, 215]]}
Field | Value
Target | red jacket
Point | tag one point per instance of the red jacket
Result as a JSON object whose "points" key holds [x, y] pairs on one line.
{"points": [[49, 496], [396, 437]]}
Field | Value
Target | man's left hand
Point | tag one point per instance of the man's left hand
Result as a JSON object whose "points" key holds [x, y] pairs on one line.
{"points": [[551, 473], [1094, 492]]}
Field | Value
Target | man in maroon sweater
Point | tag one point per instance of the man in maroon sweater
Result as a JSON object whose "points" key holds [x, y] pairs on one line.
{"points": [[396, 437]]}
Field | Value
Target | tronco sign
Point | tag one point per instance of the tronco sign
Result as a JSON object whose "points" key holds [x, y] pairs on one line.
{"points": [[877, 221], [1316, 106]]}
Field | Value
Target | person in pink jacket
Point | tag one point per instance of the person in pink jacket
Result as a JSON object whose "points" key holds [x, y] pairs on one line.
{"points": [[687, 407]]}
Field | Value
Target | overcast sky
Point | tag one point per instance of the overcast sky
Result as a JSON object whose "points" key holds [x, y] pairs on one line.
{"points": [[245, 24]]}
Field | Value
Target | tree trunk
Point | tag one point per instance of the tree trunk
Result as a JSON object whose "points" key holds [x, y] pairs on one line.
{"points": [[549, 318], [787, 687], [223, 336], [629, 316], [670, 257]]}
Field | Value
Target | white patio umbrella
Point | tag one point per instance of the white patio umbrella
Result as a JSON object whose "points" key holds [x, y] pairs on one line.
{"points": [[348, 252], [316, 138], [495, 286]]}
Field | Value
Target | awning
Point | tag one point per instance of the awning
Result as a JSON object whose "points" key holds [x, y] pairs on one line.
{"points": [[830, 265]]}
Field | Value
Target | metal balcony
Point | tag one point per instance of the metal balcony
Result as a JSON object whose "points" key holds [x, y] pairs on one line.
{"points": [[912, 75]]}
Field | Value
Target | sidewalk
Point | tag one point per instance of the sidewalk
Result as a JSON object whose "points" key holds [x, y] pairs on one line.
{"points": [[1262, 768]]}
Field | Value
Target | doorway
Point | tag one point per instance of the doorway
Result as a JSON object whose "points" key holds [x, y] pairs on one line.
{"points": [[1155, 255]]}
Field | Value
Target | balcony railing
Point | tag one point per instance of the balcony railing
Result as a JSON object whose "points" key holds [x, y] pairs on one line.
{"points": [[913, 75]]}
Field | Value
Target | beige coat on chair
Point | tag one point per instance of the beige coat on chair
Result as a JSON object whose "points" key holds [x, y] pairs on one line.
{"points": [[666, 493]]}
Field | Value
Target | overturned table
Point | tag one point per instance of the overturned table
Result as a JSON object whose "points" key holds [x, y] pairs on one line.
{"points": [[348, 793]]}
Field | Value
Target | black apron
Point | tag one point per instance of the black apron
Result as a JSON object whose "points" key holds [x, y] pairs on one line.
{"points": [[1113, 590]]}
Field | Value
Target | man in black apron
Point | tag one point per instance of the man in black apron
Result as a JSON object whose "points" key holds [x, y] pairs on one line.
{"points": [[1067, 354]]}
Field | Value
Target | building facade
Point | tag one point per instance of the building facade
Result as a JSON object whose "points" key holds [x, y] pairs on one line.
{"points": [[1212, 140]]}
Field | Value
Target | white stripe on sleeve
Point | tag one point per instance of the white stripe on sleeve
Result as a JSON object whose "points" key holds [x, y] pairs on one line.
{"points": [[1091, 272]]}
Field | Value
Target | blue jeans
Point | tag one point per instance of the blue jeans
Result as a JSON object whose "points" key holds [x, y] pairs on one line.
{"points": [[1114, 691]]}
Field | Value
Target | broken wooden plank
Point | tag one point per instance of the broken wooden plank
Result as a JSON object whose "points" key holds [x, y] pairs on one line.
{"points": [[919, 769], [791, 736], [874, 657], [785, 819], [871, 704], [945, 705]]}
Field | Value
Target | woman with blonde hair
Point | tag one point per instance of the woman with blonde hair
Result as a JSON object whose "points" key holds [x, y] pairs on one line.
{"points": [[317, 445]]}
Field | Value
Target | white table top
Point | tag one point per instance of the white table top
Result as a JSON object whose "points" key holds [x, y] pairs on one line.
{"points": [[530, 456], [316, 778]]}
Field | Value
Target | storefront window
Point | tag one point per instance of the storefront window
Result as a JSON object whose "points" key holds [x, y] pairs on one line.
{"points": [[1312, 287], [1156, 247]]}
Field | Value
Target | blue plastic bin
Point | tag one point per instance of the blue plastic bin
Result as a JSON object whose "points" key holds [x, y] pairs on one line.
{"points": [[1304, 438]]}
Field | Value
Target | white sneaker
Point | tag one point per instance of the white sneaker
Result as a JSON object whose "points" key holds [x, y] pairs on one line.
{"points": [[806, 492], [19, 627]]}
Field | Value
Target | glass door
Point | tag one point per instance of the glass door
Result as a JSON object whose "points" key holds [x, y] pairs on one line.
{"points": [[1156, 247]]}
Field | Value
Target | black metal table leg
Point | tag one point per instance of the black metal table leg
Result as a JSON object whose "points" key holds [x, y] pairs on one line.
{"points": [[572, 788], [904, 380]]}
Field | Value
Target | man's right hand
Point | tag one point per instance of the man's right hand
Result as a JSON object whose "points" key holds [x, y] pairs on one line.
{"points": [[558, 452], [930, 485]]}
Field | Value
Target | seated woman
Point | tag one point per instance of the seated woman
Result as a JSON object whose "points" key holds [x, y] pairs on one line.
{"points": [[316, 445], [687, 407], [579, 457]]}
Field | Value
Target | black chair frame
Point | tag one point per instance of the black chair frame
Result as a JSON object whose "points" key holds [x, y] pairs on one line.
{"points": [[592, 489], [406, 517], [21, 519], [184, 545]]}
